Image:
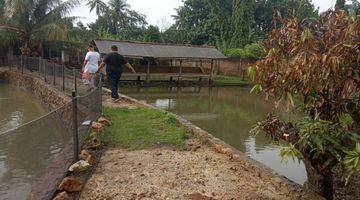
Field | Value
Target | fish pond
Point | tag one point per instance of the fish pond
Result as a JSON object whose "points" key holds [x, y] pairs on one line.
{"points": [[229, 113], [26, 144]]}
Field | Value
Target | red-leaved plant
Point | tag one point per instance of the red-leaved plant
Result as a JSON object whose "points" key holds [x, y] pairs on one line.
{"points": [[315, 64]]}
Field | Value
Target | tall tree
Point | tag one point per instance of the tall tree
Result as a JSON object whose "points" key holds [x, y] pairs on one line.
{"points": [[152, 34], [340, 4], [116, 18], [234, 23], [266, 12], [235, 19], [355, 7], [6, 37], [173, 35], [99, 6], [35, 22], [195, 19]]}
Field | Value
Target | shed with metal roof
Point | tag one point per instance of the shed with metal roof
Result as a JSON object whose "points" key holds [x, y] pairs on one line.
{"points": [[156, 50], [165, 52]]}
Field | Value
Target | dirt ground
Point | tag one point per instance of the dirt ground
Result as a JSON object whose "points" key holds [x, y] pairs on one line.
{"points": [[162, 173], [122, 103], [167, 174]]}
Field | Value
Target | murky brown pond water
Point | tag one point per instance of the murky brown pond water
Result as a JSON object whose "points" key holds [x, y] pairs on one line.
{"points": [[24, 152], [228, 113]]}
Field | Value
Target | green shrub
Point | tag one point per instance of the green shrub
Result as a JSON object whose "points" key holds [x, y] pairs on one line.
{"points": [[250, 51]]}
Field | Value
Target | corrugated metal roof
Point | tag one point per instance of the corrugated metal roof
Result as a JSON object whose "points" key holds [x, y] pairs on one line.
{"points": [[141, 49]]}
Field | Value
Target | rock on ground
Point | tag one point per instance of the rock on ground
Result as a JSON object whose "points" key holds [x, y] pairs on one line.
{"points": [[71, 184], [167, 174]]}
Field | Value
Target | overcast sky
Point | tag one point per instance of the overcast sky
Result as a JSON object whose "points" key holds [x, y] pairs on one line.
{"points": [[158, 12]]}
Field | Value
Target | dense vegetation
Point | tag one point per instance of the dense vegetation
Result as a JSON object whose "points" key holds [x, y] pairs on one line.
{"points": [[314, 64], [234, 26], [231, 23], [33, 23]]}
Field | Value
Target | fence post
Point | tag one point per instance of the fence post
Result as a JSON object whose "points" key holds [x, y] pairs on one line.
{"points": [[44, 66], [39, 64], [63, 77], [75, 127], [100, 91], [148, 71], [21, 61], [75, 84], [180, 72], [54, 75], [24, 63]]}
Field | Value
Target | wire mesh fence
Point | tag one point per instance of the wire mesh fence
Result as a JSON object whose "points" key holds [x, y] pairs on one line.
{"points": [[30, 148], [66, 78], [66, 127]]}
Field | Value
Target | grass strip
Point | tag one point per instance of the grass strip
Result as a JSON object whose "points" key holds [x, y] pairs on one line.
{"points": [[143, 128]]}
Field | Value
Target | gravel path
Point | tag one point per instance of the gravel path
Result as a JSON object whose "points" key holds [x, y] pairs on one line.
{"points": [[167, 174]]}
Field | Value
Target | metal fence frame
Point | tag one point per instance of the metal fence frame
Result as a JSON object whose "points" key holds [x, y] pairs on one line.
{"points": [[65, 80]]}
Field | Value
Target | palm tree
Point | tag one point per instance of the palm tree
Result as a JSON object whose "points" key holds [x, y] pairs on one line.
{"points": [[99, 6], [119, 6], [35, 22], [115, 17]]}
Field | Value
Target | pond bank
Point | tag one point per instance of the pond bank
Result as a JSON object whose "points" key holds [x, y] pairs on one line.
{"points": [[218, 81], [206, 168]]}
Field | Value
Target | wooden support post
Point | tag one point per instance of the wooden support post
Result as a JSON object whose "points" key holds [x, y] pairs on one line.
{"points": [[211, 72], [75, 127], [180, 72], [148, 71]]}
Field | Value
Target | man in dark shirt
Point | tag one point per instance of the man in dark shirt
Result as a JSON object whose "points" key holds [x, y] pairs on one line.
{"points": [[114, 67]]}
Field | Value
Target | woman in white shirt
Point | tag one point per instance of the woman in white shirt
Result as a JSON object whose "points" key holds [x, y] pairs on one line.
{"points": [[90, 66]]}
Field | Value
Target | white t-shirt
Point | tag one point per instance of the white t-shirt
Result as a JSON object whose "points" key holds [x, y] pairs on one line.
{"points": [[93, 59]]}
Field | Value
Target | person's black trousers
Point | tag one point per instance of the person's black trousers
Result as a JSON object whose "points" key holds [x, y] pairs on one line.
{"points": [[114, 78]]}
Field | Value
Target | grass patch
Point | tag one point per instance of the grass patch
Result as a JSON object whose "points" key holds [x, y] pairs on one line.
{"points": [[143, 128], [230, 80]]}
